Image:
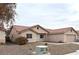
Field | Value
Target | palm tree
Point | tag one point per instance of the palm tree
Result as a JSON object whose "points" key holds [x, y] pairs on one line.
{"points": [[7, 13]]}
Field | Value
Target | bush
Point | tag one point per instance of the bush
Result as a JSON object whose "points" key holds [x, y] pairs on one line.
{"points": [[21, 40]]}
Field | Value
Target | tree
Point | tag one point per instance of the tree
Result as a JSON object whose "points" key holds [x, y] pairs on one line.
{"points": [[7, 16], [7, 13]]}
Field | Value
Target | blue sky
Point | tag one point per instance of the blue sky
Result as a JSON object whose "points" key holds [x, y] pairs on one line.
{"points": [[48, 15]]}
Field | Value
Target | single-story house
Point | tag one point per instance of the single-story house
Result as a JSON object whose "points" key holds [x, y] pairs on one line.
{"points": [[38, 33], [62, 35], [33, 34]]}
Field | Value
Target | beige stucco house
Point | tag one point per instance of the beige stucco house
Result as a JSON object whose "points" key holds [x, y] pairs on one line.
{"points": [[38, 33], [33, 34]]}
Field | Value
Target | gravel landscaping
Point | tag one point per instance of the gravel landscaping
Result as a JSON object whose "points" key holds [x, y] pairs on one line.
{"points": [[54, 49]]}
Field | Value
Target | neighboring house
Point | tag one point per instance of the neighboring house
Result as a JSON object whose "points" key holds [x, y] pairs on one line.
{"points": [[62, 35], [33, 34], [38, 33], [2, 36]]}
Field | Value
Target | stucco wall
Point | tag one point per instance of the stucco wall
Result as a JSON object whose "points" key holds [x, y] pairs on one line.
{"points": [[34, 38], [56, 38], [2, 37]]}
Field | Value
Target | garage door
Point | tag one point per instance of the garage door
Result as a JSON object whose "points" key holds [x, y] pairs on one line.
{"points": [[71, 38]]}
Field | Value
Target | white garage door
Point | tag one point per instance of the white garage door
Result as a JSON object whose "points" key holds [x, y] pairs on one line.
{"points": [[71, 38]]}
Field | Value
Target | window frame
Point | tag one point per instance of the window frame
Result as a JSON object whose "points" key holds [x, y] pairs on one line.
{"points": [[41, 36], [28, 35]]}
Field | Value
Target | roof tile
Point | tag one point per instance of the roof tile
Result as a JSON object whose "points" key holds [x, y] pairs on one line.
{"points": [[58, 31]]}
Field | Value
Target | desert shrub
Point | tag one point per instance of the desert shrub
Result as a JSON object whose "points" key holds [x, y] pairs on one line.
{"points": [[60, 42], [21, 40]]}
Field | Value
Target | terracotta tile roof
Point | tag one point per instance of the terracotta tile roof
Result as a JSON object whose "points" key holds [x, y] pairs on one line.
{"points": [[51, 31], [20, 28], [24, 28], [58, 31]]}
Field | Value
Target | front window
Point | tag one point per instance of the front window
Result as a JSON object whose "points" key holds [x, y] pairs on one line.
{"points": [[29, 35], [41, 36]]}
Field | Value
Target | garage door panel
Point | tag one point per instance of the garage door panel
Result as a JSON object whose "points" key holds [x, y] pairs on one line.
{"points": [[71, 38]]}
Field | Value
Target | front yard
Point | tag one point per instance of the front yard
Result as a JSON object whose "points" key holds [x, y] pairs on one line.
{"points": [[54, 48]]}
